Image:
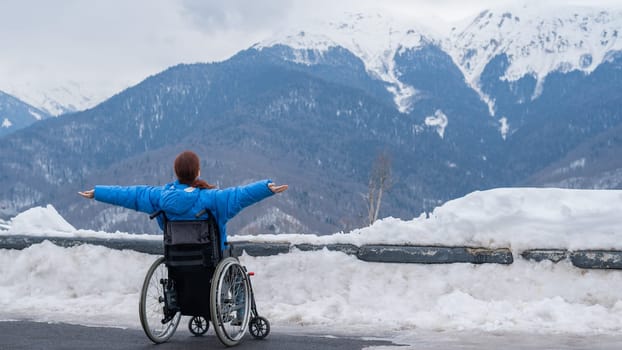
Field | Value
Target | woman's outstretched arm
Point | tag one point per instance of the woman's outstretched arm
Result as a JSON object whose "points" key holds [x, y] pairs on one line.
{"points": [[232, 200], [140, 198]]}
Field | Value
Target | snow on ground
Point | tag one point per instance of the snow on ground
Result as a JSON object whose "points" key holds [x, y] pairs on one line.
{"points": [[46, 221], [324, 289], [515, 218]]}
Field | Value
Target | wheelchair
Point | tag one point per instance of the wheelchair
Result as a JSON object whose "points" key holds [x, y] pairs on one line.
{"points": [[194, 278]]}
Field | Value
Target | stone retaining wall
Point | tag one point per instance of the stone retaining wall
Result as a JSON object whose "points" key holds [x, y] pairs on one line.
{"points": [[588, 259]]}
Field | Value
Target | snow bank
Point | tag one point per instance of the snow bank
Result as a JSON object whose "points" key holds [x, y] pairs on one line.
{"points": [[46, 221], [515, 218], [83, 285], [40, 220], [338, 291], [324, 289]]}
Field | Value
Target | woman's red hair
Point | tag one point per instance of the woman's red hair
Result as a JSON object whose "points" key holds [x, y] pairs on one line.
{"points": [[187, 166]]}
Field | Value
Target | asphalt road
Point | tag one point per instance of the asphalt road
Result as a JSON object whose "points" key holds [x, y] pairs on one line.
{"points": [[49, 336]]}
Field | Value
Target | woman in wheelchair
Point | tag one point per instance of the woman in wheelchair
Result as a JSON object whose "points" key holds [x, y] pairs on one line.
{"points": [[187, 201], [187, 196]]}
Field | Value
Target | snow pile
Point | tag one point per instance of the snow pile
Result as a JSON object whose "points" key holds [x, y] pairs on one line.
{"points": [[515, 218], [83, 285], [336, 290], [46, 221], [40, 220]]}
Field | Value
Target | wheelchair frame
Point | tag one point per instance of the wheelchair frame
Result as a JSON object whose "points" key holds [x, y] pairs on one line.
{"points": [[193, 267]]}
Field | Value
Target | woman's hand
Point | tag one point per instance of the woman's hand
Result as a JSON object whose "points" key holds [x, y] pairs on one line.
{"points": [[277, 188], [90, 194]]}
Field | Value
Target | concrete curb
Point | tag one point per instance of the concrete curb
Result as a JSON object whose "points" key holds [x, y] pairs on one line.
{"points": [[597, 259], [259, 249], [434, 255], [410, 254], [142, 246], [585, 259], [554, 255], [349, 249]]}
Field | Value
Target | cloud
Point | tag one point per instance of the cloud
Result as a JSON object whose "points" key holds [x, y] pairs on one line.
{"points": [[236, 15], [112, 42], [109, 45]]}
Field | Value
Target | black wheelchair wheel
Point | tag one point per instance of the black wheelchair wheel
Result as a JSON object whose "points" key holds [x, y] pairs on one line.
{"points": [[198, 325], [151, 307], [230, 301], [259, 327]]}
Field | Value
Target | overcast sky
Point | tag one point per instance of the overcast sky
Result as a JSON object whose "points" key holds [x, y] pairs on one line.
{"points": [[116, 43]]}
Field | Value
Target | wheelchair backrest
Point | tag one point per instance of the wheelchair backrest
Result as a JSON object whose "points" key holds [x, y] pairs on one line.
{"points": [[191, 242], [188, 232]]}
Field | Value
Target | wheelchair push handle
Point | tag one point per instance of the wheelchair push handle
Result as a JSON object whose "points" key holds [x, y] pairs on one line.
{"points": [[155, 214], [204, 212]]}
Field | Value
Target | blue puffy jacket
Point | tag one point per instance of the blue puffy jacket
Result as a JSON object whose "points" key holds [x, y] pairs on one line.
{"points": [[182, 202]]}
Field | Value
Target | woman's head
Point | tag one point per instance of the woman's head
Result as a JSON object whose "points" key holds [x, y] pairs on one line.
{"points": [[187, 168]]}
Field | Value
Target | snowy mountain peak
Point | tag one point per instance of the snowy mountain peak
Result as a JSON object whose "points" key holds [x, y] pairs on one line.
{"points": [[72, 96], [300, 41], [536, 41], [374, 38], [16, 114], [365, 33]]}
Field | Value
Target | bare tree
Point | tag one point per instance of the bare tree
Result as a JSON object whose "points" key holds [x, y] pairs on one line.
{"points": [[379, 182]]}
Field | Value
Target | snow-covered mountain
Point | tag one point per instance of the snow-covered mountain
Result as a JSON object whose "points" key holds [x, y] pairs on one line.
{"points": [[376, 39], [56, 100], [16, 114], [536, 41]]}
